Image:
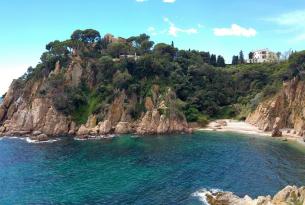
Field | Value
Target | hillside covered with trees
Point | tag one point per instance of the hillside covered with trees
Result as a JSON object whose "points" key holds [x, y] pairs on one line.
{"points": [[204, 87]]}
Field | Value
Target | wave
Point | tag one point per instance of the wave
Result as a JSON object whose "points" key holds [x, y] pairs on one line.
{"points": [[41, 142], [28, 140], [202, 194], [99, 137]]}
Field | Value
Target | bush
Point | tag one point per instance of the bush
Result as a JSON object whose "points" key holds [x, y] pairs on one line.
{"points": [[270, 90], [203, 120], [192, 114]]}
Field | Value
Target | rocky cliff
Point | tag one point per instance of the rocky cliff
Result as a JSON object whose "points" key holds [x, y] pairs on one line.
{"points": [[160, 117], [25, 111], [285, 110], [290, 195]]}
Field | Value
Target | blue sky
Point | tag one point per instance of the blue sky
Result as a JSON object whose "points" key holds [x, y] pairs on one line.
{"points": [[222, 27]]}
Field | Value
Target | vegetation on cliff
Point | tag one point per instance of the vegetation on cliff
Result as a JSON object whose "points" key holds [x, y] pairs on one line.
{"points": [[103, 68]]}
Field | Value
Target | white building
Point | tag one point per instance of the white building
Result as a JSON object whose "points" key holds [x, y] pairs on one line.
{"points": [[263, 56]]}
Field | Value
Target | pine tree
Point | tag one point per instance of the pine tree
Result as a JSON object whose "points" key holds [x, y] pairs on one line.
{"points": [[213, 60], [235, 60], [241, 57], [221, 61], [205, 57], [251, 56]]}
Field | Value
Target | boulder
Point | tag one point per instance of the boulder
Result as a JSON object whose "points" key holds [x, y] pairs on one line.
{"points": [[123, 128], [72, 129], [95, 130], [276, 133], [222, 123], [35, 133], [105, 127], [83, 130], [40, 137], [289, 195], [276, 128], [2, 129]]}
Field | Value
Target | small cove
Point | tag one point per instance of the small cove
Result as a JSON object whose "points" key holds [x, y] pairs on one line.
{"points": [[146, 170]]}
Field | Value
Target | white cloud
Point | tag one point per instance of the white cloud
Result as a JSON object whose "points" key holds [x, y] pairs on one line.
{"points": [[295, 18], [235, 30], [141, 1], [169, 1], [291, 22], [174, 30], [152, 31]]}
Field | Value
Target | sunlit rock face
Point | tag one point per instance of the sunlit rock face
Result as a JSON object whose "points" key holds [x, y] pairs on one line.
{"points": [[289, 195], [23, 113], [285, 110]]}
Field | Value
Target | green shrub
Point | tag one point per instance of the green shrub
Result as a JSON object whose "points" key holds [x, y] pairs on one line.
{"points": [[203, 120]]}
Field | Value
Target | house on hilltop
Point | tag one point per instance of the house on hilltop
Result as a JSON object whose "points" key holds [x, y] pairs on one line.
{"points": [[111, 39], [263, 56]]}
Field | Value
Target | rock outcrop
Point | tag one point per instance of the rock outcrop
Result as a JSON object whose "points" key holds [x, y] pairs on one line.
{"points": [[285, 110], [40, 137], [105, 127], [291, 195], [39, 116], [160, 117], [23, 117], [31, 106]]}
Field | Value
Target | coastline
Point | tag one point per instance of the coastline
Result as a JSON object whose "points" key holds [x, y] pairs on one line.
{"points": [[230, 125]]}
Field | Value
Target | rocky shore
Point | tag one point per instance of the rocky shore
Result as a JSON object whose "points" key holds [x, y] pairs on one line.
{"points": [[37, 118], [291, 195], [284, 113]]}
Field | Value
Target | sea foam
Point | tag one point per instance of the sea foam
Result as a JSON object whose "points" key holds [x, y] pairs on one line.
{"points": [[202, 194], [99, 137], [28, 140]]}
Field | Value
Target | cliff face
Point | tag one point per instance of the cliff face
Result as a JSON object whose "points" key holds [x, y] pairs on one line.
{"points": [[24, 111], [285, 110], [289, 195], [160, 117]]}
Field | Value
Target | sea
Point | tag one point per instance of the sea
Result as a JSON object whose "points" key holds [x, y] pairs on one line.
{"points": [[152, 170]]}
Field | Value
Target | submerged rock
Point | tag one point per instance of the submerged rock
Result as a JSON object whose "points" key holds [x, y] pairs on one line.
{"points": [[40, 137]]}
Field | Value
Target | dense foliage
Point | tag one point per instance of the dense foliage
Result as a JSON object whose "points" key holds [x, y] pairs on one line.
{"points": [[205, 86]]}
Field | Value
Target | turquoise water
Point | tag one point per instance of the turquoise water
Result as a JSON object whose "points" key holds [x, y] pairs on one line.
{"points": [[149, 170]]}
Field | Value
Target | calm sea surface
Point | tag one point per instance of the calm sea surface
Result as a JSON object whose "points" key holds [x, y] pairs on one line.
{"points": [[148, 170]]}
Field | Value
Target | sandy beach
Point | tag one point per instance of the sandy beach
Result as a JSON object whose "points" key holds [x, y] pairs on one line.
{"points": [[229, 125]]}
